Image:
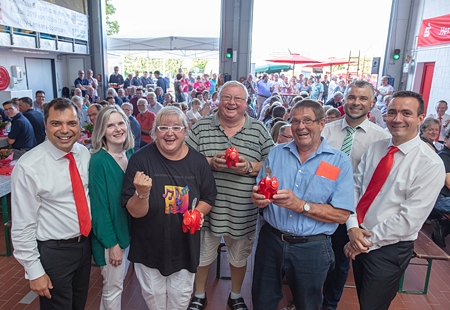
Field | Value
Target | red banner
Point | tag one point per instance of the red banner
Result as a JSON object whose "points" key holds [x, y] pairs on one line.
{"points": [[435, 31]]}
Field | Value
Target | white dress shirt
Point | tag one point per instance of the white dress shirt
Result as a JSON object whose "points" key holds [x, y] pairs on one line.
{"points": [[383, 89], [155, 109], [375, 112], [408, 195], [191, 115], [366, 134], [331, 88], [445, 118], [42, 202]]}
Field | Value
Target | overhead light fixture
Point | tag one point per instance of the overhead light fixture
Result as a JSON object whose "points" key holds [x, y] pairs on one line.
{"points": [[29, 51]]}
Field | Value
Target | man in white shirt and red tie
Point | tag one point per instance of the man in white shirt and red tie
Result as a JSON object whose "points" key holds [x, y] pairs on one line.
{"points": [[396, 185], [51, 218], [352, 134], [443, 118]]}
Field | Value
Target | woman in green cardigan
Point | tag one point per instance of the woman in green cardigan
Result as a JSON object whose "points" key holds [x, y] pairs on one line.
{"points": [[112, 145]]}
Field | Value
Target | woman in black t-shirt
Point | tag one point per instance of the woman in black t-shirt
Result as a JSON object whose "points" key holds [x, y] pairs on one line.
{"points": [[164, 180]]}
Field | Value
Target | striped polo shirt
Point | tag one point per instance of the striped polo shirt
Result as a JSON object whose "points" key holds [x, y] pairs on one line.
{"points": [[234, 214]]}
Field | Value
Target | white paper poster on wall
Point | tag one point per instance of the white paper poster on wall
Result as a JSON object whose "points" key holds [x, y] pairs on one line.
{"points": [[44, 17]]}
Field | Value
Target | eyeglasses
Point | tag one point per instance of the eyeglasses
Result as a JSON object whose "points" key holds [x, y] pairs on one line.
{"points": [[92, 115], [287, 137], [228, 99], [306, 121], [167, 128]]}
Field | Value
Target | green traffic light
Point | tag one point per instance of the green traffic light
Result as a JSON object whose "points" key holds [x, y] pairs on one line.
{"points": [[229, 53], [396, 56]]}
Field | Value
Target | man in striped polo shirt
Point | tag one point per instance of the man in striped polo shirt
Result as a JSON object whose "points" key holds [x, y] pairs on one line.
{"points": [[234, 215]]}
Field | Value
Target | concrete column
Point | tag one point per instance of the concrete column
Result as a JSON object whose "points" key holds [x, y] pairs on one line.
{"points": [[236, 33], [97, 42]]}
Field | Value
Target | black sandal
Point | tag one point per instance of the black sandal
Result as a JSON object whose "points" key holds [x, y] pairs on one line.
{"points": [[198, 303], [236, 304]]}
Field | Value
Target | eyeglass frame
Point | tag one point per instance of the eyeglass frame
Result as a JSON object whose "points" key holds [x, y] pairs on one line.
{"points": [[170, 128], [303, 121], [287, 137], [227, 98]]}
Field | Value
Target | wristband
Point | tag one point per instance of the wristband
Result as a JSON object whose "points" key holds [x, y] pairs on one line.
{"points": [[141, 196]]}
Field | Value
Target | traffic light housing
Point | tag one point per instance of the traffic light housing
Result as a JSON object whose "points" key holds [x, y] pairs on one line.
{"points": [[397, 54], [229, 53]]}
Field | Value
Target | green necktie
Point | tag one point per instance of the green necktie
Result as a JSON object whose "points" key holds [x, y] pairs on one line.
{"points": [[348, 141]]}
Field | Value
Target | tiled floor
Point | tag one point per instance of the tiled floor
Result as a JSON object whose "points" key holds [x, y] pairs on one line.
{"points": [[13, 287]]}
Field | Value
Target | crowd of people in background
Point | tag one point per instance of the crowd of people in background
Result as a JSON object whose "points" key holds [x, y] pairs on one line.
{"points": [[158, 149]]}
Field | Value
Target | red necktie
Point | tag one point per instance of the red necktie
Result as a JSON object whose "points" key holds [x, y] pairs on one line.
{"points": [[79, 195], [376, 183], [440, 126]]}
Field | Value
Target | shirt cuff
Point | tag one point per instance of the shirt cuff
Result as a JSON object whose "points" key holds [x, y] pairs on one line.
{"points": [[35, 271], [352, 221]]}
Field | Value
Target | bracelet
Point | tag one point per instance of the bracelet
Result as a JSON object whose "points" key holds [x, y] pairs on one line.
{"points": [[141, 196]]}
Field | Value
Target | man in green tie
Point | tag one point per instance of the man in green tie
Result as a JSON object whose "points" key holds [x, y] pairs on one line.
{"points": [[352, 134]]}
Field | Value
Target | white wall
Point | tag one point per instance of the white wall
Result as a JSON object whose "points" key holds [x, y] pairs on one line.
{"points": [[440, 54], [62, 74]]}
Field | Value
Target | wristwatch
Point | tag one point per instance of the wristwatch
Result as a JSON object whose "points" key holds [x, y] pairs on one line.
{"points": [[142, 196], [250, 168], [306, 207]]}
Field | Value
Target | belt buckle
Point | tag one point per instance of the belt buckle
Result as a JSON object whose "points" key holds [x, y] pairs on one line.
{"points": [[79, 239], [282, 238]]}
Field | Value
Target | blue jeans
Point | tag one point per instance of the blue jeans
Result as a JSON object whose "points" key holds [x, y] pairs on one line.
{"points": [[442, 204], [305, 265], [334, 284]]}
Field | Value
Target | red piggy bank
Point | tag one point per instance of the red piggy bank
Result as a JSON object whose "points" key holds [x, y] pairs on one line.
{"points": [[268, 187], [191, 221], [231, 156]]}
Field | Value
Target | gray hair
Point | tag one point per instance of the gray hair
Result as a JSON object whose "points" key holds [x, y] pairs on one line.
{"points": [[231, 84], [112, 90], [360, 84], [428, 122], [128, 104], [169, 111], [283, 128], [78, 100], [142, 100], [98, 139], [387, 97], [338, 93]]}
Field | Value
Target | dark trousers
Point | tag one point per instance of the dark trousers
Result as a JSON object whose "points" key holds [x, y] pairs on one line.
{"points": [[334, 284], [69, 268], [378, 273], [305, 266]]}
